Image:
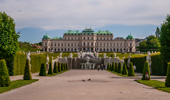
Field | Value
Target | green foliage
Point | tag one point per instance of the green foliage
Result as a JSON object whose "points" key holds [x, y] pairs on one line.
{"points": [[62, 67], [116, 67], [165, 40], [8, 40], [113, 66], [119, 68], [59, 67], [4, 76], [124, 71], [157, 33], [131, 70], [26, 46], [66, 66], [50, 70], [146, 69], [167, 81], [43, 70], [27, 72], [55, 68], [108, 67]]}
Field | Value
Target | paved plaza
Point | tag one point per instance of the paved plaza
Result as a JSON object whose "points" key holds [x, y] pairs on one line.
{"points": [[84, 85]]}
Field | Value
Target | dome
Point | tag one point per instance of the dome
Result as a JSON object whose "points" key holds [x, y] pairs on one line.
{"points": [[88, 30], [46, 36], [129, 37]]}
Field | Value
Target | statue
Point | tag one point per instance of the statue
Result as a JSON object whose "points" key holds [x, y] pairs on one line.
{"points": [[97, 55], [114, 55], [28, 56], [61, 55], [47, 61], [128, 63], [148, 58], [104, 55], [71, 55]]}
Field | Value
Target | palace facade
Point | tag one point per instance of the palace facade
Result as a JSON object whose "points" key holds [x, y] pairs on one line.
{"points": [[88, 40]]}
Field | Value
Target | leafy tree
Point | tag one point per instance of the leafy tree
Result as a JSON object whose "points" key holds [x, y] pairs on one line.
{"points": [[124, 71], [27, 72], [42, 70], [157, 33], [167, 81], [131, 70], [165, 40], [8, 40], [4, 76], [146, 70]]}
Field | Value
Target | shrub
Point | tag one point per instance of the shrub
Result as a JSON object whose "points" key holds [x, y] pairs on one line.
{"points": [[108, 67], [66, 66], [131, 70], [167, 81], [146, 70], [27, 72], [55, 68], [42, 70], [50, 70], [124, 71], [113, 66], [59, 67], [4, 75], [119, 68], [116, 67]]}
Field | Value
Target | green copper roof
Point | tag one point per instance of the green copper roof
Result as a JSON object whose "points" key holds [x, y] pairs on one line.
{"points": [[57, 38], [129, 37], [70, 32], [103, 32], [88, 30], [46, 36]]}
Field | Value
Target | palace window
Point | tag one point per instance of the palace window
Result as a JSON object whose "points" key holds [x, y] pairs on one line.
{"points": [[92, 44]]}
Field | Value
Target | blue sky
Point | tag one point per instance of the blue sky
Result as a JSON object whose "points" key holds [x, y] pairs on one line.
{"points": [[34, 18]]}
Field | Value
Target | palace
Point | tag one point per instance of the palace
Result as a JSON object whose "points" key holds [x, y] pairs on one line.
{"points": [[88, 40]]}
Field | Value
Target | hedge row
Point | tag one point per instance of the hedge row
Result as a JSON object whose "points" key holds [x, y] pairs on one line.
{"points": [[158, 67], [20, 61]]}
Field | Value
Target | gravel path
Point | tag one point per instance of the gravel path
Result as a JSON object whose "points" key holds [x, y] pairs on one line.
{"points": [[74, 85]]}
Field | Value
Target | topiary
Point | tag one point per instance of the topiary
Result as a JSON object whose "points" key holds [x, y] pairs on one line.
{"points": [[42, 70], [146, 70], [27, 72], [124, 71], [55, 68], [116, 67], [131, 70], [50, 70], [66, 66], [113, 66], [108, 67], [167, 81], [4, 75], [119, 68], [59, 67]]}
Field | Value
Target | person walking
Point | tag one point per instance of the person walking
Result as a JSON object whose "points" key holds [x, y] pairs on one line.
{"points": [[101, 67], [104, 67], [98, 67]]}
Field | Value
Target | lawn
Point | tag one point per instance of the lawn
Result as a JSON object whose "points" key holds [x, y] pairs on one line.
{"points": [[155, 84], [17, 84], [57, 73]]}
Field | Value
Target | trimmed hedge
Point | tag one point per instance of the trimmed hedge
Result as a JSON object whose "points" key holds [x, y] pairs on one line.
{"points": [[119, 68], [4, 76], [124, 71], [27, 72], [131, 70], [43, 70], [55, 68], [146, 70], [113, 66], [59, 67], [50, 70], [116, 67], [167, 81]]}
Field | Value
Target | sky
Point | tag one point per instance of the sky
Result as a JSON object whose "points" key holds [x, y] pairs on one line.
{"points": [[35, 18]]}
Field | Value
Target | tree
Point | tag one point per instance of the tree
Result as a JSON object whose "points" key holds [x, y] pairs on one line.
{"points": [[131, 70], [108, 67], [124, 71], [59, 67], [116, 67], [8, 40], [119, 68], [167, 81], [4, 76], [146, 70], [42, 70], [157, 33], [113, 66], [165, 40], [27, 72], [55, 68], [50, 70]]}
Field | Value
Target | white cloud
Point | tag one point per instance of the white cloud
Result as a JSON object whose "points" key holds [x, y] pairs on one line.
{"points": [[77, 14]]}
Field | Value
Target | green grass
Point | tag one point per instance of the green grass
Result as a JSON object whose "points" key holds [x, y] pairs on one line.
{"points": [[57, 73], [155, 84], [17, 84], [119, 74]]}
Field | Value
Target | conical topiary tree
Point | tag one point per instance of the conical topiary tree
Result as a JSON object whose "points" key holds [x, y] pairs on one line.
{"points": [[167, 81], [42, 70], [124, 71], [66, 66], [27, 72], [59, 67], [113, 66], [131, 70], [4, 75], [116, 67], [108, 67], [50, 70], [146, 70], [119, 68], [55, 70]]}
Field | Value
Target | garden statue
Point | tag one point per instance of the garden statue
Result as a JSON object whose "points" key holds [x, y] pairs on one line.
{"points": [[114, 55], [28, 58], [104, 55], [97, 55], [61, 55], [71, 55], [148, 58], [128, 63], [47, 61]]}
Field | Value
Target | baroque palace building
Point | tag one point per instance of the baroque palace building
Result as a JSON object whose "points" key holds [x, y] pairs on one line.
{"points": [[88, 40]]}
